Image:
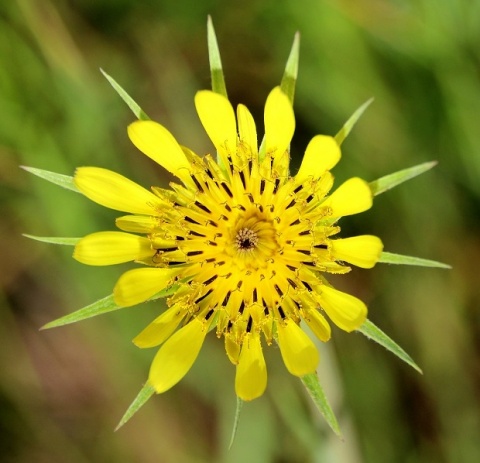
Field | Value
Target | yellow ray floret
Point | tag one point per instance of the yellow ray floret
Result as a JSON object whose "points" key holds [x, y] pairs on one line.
{"points": [[140, 284], [298, 351], [322, 154], [115, 191], [362, 251], [176, 356], [251, 375], [279, 122], [344, 310], [246, 129], [110, 248], [155, 141], [218, 119]]}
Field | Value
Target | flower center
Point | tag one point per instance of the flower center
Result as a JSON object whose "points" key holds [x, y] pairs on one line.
{"points": [[246, 239]]}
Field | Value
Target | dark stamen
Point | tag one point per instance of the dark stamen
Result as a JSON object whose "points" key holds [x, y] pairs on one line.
{"points": [[203, 207], [227, 189], [194, 253], [278, 290], [197, 183], [189, 219], [210, 280], [201, 298], [249, 325]]}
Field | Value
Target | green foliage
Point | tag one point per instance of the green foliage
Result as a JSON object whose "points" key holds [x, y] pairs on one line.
{"points": [[392, 180], [314, 388], [348, 126], [136, 109], [391, 258], [65, 181], [374, 333], [54, 239], [140, 400], [216, 70]]}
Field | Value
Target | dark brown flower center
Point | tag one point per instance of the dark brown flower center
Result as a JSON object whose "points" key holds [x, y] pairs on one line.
{"points": [[246, 239]]}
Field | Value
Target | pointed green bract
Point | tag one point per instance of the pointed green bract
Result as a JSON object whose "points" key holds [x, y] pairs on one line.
{"points": [[216, 70], [105, 305], [314, 388], [139, 113], [145, 393], [389, 181], [54, 239], [391, 258], [348, 126], [65, 181], [99, 307], [235, 423], [374, 333], [289, 78]]}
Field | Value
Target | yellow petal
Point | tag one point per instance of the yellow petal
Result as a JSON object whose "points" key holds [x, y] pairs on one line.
{"points": [[109, 248], [317, 323], [155, 141], [251, 375], [140, 284], [246, 128], [322, 154], [218, 120], [137, 223], [115, 191], [160, 329], [177, 356], [232, 347], [345, 310], [279, 122], [298, 351], [362, 251], [352, 197]]}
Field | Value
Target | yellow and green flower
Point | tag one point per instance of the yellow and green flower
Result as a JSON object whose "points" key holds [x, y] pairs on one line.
{"points": [[239, 244]]}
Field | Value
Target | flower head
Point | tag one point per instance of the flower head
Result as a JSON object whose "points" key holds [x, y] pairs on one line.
{"points": [[246, 244]]}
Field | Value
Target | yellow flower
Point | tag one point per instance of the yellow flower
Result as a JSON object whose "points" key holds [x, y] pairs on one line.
{"points": [[247, 243]]}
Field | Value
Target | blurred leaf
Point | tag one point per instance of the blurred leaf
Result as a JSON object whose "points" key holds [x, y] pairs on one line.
{"points": [[312, 384], [289, 78], [65, 181], [374, 333], [389, 181], [235, 423], [54, 239], [391, 258], [139, 113], [105, 305], [348, 126], [216, 70], [145, 393]]}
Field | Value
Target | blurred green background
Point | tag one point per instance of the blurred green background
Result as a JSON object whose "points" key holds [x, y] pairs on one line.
{"points": [[63, 391]]}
